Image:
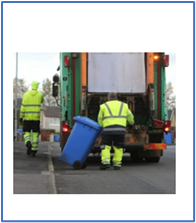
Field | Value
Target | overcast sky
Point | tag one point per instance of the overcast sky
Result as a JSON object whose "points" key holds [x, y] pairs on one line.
{"points": [[39, 66], [36, 66]]}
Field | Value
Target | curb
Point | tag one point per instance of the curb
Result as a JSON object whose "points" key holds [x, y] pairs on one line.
{"points": [[51, 178]]}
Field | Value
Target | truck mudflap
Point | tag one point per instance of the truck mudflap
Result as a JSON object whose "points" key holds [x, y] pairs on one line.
{"points": [[155, 146]]}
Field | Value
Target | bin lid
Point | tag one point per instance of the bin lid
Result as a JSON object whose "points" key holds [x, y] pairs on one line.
{"points": [[88, 121]]}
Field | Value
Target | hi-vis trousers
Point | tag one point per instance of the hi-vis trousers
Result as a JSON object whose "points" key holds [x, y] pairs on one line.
{"points": [[109, 141], [35, 127]]}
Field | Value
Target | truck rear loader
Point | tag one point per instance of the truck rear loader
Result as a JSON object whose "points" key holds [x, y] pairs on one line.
{"points": [[139, 79]]}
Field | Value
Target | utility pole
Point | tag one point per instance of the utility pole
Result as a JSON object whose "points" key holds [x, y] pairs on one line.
{"points": [[16, 83]]}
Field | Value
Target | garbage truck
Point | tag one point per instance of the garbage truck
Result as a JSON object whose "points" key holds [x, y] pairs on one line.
{"points": [[139, 79]]}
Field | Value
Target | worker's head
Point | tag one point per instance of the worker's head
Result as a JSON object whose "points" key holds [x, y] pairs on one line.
{"points": [[34, 85], [112, 96]]}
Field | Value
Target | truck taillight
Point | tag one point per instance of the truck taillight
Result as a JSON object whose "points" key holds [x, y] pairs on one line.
{"points": [[65, 127], [66, 61], [167, 126], [166, 60]]}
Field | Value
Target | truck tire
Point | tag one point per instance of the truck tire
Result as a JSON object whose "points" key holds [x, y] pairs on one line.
{"points": [[77, 165], [152, 159], [135, 157]]}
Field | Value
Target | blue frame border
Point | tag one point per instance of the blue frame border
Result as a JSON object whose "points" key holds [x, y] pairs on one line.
{"points": [[3, 2], [98, 2]]}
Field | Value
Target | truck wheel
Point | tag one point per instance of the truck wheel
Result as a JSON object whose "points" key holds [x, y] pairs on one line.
{"points": [[135, 157], [152, 159], [77, 165]]}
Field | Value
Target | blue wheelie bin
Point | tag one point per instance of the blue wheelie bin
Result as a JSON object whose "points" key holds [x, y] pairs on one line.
{"points": [[56, 138], [20, 131], [80, 142]]}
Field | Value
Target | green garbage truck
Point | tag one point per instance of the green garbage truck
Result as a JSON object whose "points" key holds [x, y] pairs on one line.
{"points": [[139, 79]]}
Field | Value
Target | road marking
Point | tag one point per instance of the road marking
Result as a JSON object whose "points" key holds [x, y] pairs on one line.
{"points": [[51, 178]]}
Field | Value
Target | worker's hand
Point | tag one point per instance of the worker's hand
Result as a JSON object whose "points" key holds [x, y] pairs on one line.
{"points": [[21, 119], [130, 127]]}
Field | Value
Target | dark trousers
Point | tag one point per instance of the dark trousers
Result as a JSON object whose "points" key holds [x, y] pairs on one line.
{"points": [[116, 140], [31, 125]]}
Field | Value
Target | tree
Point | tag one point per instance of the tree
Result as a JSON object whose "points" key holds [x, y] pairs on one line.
{"points": [[21, 87], [47, 92], [171, 98]]}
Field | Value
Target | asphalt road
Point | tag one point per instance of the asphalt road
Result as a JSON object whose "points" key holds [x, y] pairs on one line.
{"points": [[132, 178], [46, 174]]}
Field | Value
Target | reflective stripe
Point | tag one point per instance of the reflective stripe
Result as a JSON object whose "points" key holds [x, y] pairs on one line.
{"points": [[114, 117], [121, 107], [129, 115], [114, 129], [31, 105], [108, 109], [105, 161], [32, 112], [100, 118], [117, 164]]}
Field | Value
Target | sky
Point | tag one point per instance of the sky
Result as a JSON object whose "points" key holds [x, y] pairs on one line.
{"points": [[36, 66], [39, 66], [98, 27]]}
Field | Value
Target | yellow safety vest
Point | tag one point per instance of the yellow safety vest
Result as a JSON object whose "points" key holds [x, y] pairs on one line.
{"points": [[31, 105], [115, 112]]}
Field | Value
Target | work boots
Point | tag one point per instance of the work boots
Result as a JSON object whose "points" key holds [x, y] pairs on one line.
{"points": [[117, 167], [33, 152], [104, 166], [29, 146]]}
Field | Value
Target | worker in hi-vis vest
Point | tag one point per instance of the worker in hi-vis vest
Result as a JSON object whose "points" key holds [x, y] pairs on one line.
{"points": [[30, 112], [113, 116]]}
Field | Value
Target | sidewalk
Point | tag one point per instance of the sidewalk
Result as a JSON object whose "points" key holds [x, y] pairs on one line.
{"points": [[33, 175]]}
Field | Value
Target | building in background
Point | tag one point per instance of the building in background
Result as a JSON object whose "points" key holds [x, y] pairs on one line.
{"points": [[50, 118]]}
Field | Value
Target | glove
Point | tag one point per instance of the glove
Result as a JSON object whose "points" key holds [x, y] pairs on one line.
{"points": [[130, 127], [21, 119]]}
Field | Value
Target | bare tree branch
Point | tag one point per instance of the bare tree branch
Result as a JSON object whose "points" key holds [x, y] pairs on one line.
{"points": [[171, 98], [21, 87], [47, 92]]}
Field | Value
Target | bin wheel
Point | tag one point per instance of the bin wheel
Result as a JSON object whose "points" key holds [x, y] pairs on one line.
{"points": [[77, 165], [84, 165]]}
